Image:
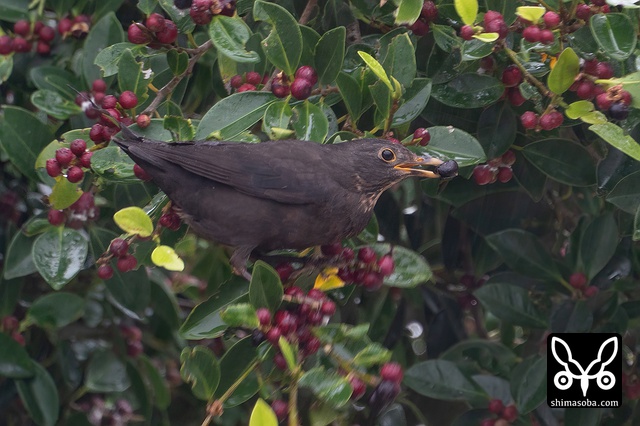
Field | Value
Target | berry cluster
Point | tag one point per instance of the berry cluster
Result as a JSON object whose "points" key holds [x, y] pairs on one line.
{"points": [[493, 23], [294, 322], [11, 326], [496, 170], [203, 11], [506, 415], [118, 249], [301, 86], [429, 13], [389, 387], [547, 121], [535, 34], [99, 412], [280, 409], [155, 30], [133, 338], [80, 212], [72, 160], [248, 81], [584, 11], [78, 27], [579, 281], [25, 36]]}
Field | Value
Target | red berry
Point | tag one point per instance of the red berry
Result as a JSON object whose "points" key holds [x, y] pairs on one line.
{"points": [[429, 11], [105, 272], [155, 22], [78, 147], [312, 346], [18, 337], [284, 270], [367, 255], [308, 73], [603, 101], [10, 323], [547, 37], [127, 263], [604, 70], [358, 388], [492, 15], [6, 45], [22, 27], [551, 120], [301, 88], [53, 167], [591, 291], [422, 135], [551, 19], [585, 89], [386, 265], [246, 87], [273, 335], [119, 247], [64, 156], [510, 413], [95, 133], [328, 308], [420, 27], [109, 101], [236, 81], [531, 34], [46, 34], [264, 316], [138, 34], [529, 120], [583, 12], [134, 348], [141, 174], [467, 32], [128, 99], [280, 362], [143, 121], [578, 280], [505, 174], [515, 96], [75, 174], [169, 34], [280, 408], [55, 217], [43, 48], [111, 119], [392, 372], [625, 97], [99, 86], [598, 2], [21, 45], [497, 26], [496, 406], [483, 174], [511, 76], [508, 158], [331, 250], [488, 422], [294, 291], [280, 90], [315, 294], [372, 281], [253, 78], [64, 26], [200, 11]]}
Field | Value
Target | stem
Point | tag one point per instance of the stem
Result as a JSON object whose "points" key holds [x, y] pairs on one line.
{"points": [[235, 384], [308, 10], [544, 91], [293, 404]]}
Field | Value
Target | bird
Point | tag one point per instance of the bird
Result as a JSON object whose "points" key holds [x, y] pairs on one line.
{"points": [[283, 194]]}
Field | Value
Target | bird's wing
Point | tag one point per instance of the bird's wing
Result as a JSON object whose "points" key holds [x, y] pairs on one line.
{"points": [[280, 173]]}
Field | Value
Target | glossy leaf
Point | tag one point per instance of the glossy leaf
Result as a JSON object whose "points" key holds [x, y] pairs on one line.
{"points": [[64, 194], [442, 380], [414, 100], [59, 254], [512, 304], [181, 128], [626, 194], [615, 34], [408, 11], [113, 165], [309, 122], [529, 384], [283, 45], [54, 104], [56, 310], [134, 220], [166, 257], [475, 49], [448, 143], [598, 244], [351, 94], [14, 359], [19, 261], [445, 37], [371, 355], [400, 60], [39, 396], [571, 317], [201, 369], [265, 289], [376, 68], [562, 160], [330, 55], [497, 129], [240, 315], [331, 388], [615, 136], [288, 352], [106, 32], [262, 415], [132, 77], [276, 120], [565, 71], [106, 373], [469, 90], [130, 289], [234, 364], [467, 10], [178, 61], [229, 36], [530, 13]]}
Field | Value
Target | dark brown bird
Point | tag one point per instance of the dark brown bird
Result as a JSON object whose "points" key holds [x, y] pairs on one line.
{"points": [[272, 195]]}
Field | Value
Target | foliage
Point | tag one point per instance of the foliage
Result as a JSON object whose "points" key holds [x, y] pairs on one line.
{"points": [[114, 312]]}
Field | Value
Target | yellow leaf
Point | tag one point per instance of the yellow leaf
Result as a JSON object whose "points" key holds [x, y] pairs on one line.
{"points": [[531, 13], [328, 280], [134, 220], [263, 415], [376, 68], [167, 258], [487, 37], [467, 10]]}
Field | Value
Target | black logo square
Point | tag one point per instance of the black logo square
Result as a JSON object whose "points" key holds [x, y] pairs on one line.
{"points": [[584, 370]]}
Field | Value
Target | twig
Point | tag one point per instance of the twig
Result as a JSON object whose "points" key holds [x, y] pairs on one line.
{"points": [[308, 10]]}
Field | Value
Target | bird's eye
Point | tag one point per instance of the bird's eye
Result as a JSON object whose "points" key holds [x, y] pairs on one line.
{"points": [[387, 155]]}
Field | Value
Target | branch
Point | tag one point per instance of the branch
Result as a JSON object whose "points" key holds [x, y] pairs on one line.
{"points": [[308, 10]]}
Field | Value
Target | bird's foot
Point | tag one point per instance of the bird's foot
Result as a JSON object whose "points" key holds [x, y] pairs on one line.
{"points": [[239, 260]]}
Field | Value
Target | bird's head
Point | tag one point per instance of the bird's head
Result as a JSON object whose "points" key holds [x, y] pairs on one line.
{"points": [[381, 163]]}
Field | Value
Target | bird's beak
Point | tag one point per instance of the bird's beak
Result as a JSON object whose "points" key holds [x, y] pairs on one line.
{"points": [[413, 167]]}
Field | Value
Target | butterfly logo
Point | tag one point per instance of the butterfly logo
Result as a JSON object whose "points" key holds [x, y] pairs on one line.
{"points": [[564, 379]]}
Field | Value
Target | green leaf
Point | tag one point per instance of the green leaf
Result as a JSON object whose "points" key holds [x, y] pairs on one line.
{"points": [[351, 94], [201, 369], [381, 98], [234, 364], [64, 194], [288, 352], [411, 269], [400, 60], [511, 303], [330, 55], [626, 194], [529, 384], [157, 383], [106, 373], [469, 90], [445, 37], [309, 122], [449, 143], [240, 315], [56, 310], [442, 380], [265, 289], [54, 104], [565, 72], [132, 77], [615, 136], [562, 160], [475, 49], [181, 17], [283, 45], [262, 415], [636, 226], [497, 128], [467, 10], [615, 34], [109, 57], [178, 61], [181, 128], [372, 354], [234, 114], [23, 136], [531, 13], [204, 320], [329, 387], [106, 32], [408, 11], [583, 416], [6, 68], [167, 258], [59, 254], [14, 359], [229, 36], [130, 289], [598, 244], [276, 120], [14, 10], [113, 165], [134, 220], [18, 261], [571, 317], [524, 253], [55, 79], [39, 396], [376, 68], [414, 100]]}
